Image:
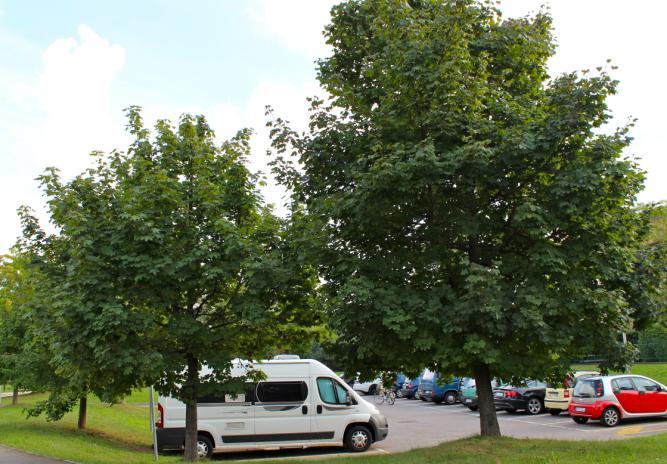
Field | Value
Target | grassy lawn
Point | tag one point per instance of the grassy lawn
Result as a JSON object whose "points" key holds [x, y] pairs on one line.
{"points": [[655, 371], [120, 434], [116, 434]]}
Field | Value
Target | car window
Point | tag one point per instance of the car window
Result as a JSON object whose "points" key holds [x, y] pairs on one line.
{"points": [[645, 384], [247, 396], [589, 388], [331, 392], [535, 384], [341, 393], [326, 388], [282, 392], [622, 384]]}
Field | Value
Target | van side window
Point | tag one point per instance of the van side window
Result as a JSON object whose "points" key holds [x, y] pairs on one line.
{"points": [[331, 392], [247, 396], [282, 392]]}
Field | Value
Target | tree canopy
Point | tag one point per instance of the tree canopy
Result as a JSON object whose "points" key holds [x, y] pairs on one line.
{"points": [[469, 212], [166, 259]]}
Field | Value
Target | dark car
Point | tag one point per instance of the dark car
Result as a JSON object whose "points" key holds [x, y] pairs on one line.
{"points": [[528, 397], [409, 389]]}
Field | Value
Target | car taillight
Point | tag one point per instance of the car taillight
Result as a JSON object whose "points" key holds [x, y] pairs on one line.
{"points": [[511, 394], [566, 393], [160, 416]]}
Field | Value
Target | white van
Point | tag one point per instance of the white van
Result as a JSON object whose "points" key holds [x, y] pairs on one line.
{"points": [[300, 404]]}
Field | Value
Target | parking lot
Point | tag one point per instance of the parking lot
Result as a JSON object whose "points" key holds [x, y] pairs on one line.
{"points": [[417, 424]]}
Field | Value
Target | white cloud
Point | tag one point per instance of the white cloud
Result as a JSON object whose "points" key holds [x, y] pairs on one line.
{"points": [[587, 33], [57, 119], [287, 100], [296, 23]]}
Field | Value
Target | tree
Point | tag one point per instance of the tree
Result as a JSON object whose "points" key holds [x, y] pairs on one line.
{"points": [[170, 261], [15, 293], [467, 211], [79, 339]]}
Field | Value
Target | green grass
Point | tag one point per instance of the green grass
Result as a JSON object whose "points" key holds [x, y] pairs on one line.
{"points": [[655, 371], [115, 434]]}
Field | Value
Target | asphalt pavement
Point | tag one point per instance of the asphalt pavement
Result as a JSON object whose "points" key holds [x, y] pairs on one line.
{"points": [[418, 424], [12, 456]]}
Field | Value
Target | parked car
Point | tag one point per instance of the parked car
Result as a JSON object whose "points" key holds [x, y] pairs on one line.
{"points": [[410, 388], [468, 393], [528, 397], [613, 398], [557, 400], [367, 388], [300, 403], [431, 390]]}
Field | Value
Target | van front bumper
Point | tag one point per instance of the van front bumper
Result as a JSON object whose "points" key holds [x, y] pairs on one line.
{"points": [[380, 426]]}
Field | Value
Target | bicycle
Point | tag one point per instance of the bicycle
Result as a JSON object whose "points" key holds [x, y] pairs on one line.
{"points": [[382, 395]]}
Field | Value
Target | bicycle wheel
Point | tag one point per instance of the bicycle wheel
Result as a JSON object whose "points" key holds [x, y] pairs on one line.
{"points": [[391, 397], [379, 398]]}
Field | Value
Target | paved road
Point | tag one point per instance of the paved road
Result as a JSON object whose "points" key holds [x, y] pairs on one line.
{"points": [[10, 456], [417, 424]]}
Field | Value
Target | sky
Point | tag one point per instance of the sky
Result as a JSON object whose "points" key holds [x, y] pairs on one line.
{"points": [[69, 68]]}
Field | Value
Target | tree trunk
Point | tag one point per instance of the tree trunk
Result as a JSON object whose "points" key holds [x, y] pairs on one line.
{"points": [[15, 395], [488, 421], [83, 410], [191, 410]]}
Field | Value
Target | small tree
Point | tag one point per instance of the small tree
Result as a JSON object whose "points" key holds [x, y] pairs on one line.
{"points": [[467, 212], [16, 292], [169, 249]]}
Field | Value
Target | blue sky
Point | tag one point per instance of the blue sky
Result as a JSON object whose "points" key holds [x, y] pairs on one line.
{"points": [[68, 68]]}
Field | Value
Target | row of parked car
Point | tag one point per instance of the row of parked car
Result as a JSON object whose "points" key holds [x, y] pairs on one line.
{"points": [[586, 395]]}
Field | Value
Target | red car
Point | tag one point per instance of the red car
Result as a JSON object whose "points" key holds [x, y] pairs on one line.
{"points": [[612, 398]]}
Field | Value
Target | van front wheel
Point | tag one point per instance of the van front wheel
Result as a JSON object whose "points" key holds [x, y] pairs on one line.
{"points": [[358, 439], [204, 447]]}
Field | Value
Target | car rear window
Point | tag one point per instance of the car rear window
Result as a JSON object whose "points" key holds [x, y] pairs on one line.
{"points": [[587, 388]]}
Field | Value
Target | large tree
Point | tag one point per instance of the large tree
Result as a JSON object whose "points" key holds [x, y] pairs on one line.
{"points": [[169, 260], [469, 212]]}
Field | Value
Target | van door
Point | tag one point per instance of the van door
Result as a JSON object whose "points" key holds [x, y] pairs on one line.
{"points": [[282, 411], [331, 408], [231, 416]]}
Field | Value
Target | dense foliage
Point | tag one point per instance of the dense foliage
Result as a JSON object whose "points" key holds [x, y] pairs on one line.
{"points": [[166, 260], [469, 212]]}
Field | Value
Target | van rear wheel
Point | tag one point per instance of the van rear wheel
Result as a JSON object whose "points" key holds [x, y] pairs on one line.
{"points": [[204, 446], [358, 439]]}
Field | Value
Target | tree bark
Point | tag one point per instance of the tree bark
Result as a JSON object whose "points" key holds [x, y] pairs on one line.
{"points": [[488, 420], [15, 395], [191, 389], [83, 410]]}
